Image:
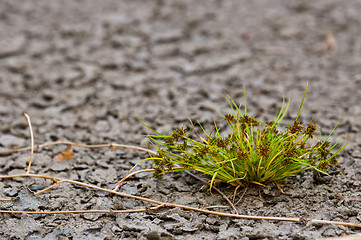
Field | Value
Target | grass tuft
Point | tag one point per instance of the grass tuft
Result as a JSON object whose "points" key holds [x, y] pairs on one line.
{"points": [[255, 152]]}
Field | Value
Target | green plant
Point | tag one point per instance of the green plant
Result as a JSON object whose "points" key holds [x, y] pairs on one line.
{"points": [[255, 152]]}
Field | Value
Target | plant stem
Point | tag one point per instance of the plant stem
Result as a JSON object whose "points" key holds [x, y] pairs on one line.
{"points": [[110, 145], [32, 143]]}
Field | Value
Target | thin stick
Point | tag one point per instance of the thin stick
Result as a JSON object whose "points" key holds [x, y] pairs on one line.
{"points": [[5, 199], [235, 192], [32, 143], [116, 186], [221, 206], [83, 211], [110, 145], [46, 189], [164, 204], [244, 192]]}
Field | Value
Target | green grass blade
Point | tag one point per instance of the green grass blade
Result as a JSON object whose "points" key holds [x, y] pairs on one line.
{"points": [[303, 99]]}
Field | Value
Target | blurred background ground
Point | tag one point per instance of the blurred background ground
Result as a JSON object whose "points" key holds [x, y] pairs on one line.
{"points": [[84, 70]]}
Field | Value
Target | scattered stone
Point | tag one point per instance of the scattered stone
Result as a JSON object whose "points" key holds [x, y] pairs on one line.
{"points": [[12, 192], [10, 141], [59, 166], [12, 46], [21, 162], [92, 217]]}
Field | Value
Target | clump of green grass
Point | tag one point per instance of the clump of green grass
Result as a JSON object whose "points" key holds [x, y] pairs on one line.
{"points": [[254, 152]]}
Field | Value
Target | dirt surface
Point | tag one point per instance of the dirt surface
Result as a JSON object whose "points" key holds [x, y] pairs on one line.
{"points": [[84, 70]]}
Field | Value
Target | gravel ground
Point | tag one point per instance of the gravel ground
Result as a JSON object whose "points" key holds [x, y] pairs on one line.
{"points": [[84, 70]]}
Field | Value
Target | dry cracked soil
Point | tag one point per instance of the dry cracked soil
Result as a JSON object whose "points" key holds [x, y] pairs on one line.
{"points": [[84, 70]]}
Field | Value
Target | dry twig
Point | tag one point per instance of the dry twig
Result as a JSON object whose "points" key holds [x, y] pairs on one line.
{"points": [[112, 146], [27, 169]]}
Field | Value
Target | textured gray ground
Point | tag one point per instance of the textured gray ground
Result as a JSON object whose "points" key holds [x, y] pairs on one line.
{"points": [[83, 69]]}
